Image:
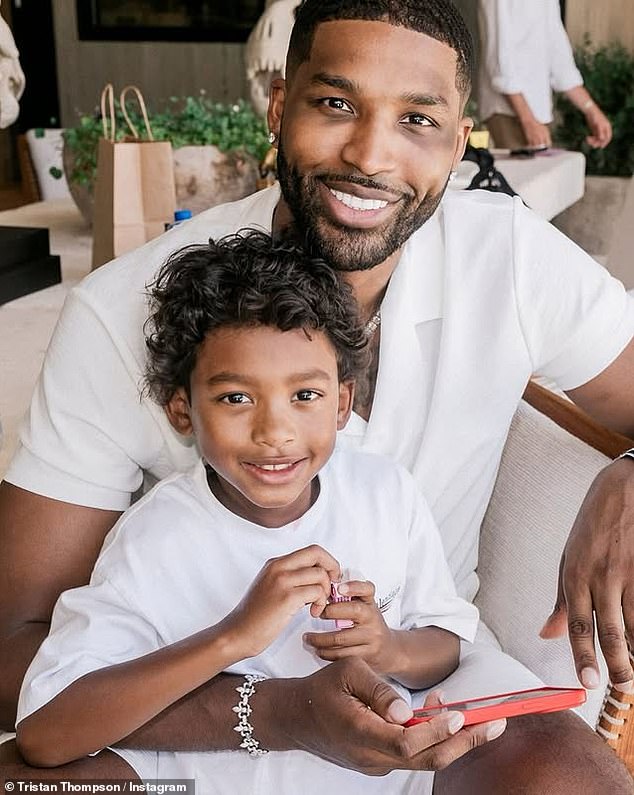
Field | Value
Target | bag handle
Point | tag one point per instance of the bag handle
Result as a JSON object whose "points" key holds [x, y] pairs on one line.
{"points": [[141, 101], [107, 96]]}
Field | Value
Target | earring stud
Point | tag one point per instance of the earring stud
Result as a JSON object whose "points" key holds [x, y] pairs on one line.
{"points": [[272, 137]]}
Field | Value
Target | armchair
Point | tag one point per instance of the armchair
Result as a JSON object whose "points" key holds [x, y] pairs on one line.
{"points": [[552, 454]]}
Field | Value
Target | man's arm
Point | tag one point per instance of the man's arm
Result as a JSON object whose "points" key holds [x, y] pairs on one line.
{"points": [[596, 580], [536, 133], [46, 547], [598, 123]]}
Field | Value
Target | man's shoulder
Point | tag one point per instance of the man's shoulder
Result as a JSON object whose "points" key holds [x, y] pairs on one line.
{"points": [[157, 519]]}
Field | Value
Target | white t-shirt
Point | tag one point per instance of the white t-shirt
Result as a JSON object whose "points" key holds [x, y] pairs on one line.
{"points": [[485, 295], [525, 50], [178, 562]]}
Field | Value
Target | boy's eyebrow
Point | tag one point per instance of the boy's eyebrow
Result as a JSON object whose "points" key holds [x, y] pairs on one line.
{"points": [[226, 376], [351, 87]]}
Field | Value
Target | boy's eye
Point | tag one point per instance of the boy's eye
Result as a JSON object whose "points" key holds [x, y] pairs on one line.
{"points": [[306, 395], [235, 398]]}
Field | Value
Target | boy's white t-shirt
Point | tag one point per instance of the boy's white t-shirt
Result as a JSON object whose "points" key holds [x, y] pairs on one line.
{"points": [[178, 562]]}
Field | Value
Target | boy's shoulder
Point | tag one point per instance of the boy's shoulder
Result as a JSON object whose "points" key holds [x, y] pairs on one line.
{"points": [[159, 515]]}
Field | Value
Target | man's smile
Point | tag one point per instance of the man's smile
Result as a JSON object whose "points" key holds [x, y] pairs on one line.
{"points": [[356, 203]]}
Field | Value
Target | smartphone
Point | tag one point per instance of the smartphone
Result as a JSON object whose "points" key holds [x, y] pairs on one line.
{"points": [[528, 151], [507, 705]]}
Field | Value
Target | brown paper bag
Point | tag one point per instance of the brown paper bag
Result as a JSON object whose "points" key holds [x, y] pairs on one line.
{"points": [[134, 190]]}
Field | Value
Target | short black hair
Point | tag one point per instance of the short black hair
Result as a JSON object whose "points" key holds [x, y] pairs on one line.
{"points": [[439, 19], [246, 279]]}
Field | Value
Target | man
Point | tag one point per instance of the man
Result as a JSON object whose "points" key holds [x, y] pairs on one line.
{"points": [[526, 55], [464, 301]]}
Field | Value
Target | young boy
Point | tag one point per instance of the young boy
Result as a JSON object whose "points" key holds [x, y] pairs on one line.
{"points": [[252, 352]]}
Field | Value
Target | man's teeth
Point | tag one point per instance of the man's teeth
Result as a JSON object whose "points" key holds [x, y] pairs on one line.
{"points": [[355, 203], [275, 467]]}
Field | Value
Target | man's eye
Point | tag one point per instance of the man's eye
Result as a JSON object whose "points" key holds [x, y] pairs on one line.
{"points": [[306, 395], [336, 103], [235, 398], [418, 120]]}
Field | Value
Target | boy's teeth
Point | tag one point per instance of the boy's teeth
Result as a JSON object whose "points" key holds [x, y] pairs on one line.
{"points": [[275, 467], [355, 203]]}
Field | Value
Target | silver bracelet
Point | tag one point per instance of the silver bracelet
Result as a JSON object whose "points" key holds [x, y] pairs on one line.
{"points": [[243, 711]]}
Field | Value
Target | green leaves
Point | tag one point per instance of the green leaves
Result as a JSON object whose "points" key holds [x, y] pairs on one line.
{"points": [[608, 74], [185, 121]]}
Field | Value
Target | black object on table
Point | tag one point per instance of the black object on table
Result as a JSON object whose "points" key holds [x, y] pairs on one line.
{"points": [[26, 264]]}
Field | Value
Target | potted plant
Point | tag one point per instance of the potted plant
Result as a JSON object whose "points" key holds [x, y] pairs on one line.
{"points": [[217, 150], [608, 73]]}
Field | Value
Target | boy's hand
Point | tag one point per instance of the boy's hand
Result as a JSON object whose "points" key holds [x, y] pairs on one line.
{"points": [[283, 586], [369, 638]]}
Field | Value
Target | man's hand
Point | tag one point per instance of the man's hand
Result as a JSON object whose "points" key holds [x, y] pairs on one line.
{"points": [[600, 127], [536, 133], [370, 638], [347, 714], [283, 586], [597, 574]]}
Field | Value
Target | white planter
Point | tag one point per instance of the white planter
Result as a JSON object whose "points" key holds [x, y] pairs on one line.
{"points": [[204, 176]]}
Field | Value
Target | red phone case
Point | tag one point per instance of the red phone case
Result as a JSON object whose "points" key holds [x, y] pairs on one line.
{"points": [[521, 702]]}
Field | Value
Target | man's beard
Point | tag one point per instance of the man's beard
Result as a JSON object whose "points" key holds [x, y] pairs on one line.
{"points": [[343, 247]]}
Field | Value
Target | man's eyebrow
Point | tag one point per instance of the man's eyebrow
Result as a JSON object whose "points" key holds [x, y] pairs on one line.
{"points": [[425, 100], [334, 81], [351, 87]]}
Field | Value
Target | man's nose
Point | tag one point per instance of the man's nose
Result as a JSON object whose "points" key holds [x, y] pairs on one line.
{"points": [[370, 148], [273, 426]]}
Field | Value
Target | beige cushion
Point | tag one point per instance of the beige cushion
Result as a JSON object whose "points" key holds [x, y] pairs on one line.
{"points": [[544, 475]]}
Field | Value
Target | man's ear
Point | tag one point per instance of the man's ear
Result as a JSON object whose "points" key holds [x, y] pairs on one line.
{"points": [[346, 399], [277, 97], [178, 412], [465, 125]]}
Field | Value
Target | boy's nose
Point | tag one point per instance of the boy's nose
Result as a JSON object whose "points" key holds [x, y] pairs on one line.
{"points": [[273, 428]]}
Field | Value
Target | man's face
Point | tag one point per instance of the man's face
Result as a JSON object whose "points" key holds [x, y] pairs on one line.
{"points": [[370, 127]]}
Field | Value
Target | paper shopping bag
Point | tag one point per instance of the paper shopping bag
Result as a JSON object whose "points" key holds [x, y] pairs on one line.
{"points": [[134, 190]]}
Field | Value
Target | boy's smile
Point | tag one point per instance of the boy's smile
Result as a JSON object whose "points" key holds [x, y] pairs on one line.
{"points": [[265, 408]]}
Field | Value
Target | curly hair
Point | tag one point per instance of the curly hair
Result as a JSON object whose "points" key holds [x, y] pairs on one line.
{"points": [[439, 19], [246, 279]]}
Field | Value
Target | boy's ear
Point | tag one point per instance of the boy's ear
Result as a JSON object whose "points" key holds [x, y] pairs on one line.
{"points": [[179, 412], [346, 399]]}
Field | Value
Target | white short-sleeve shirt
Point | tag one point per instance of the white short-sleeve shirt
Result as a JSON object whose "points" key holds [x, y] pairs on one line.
{"points": [[525, 50], [485, 295], [179, 562]]}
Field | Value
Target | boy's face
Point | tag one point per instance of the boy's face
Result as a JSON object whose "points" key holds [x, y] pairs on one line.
{"points": [[265, 409], [370, 127]]}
